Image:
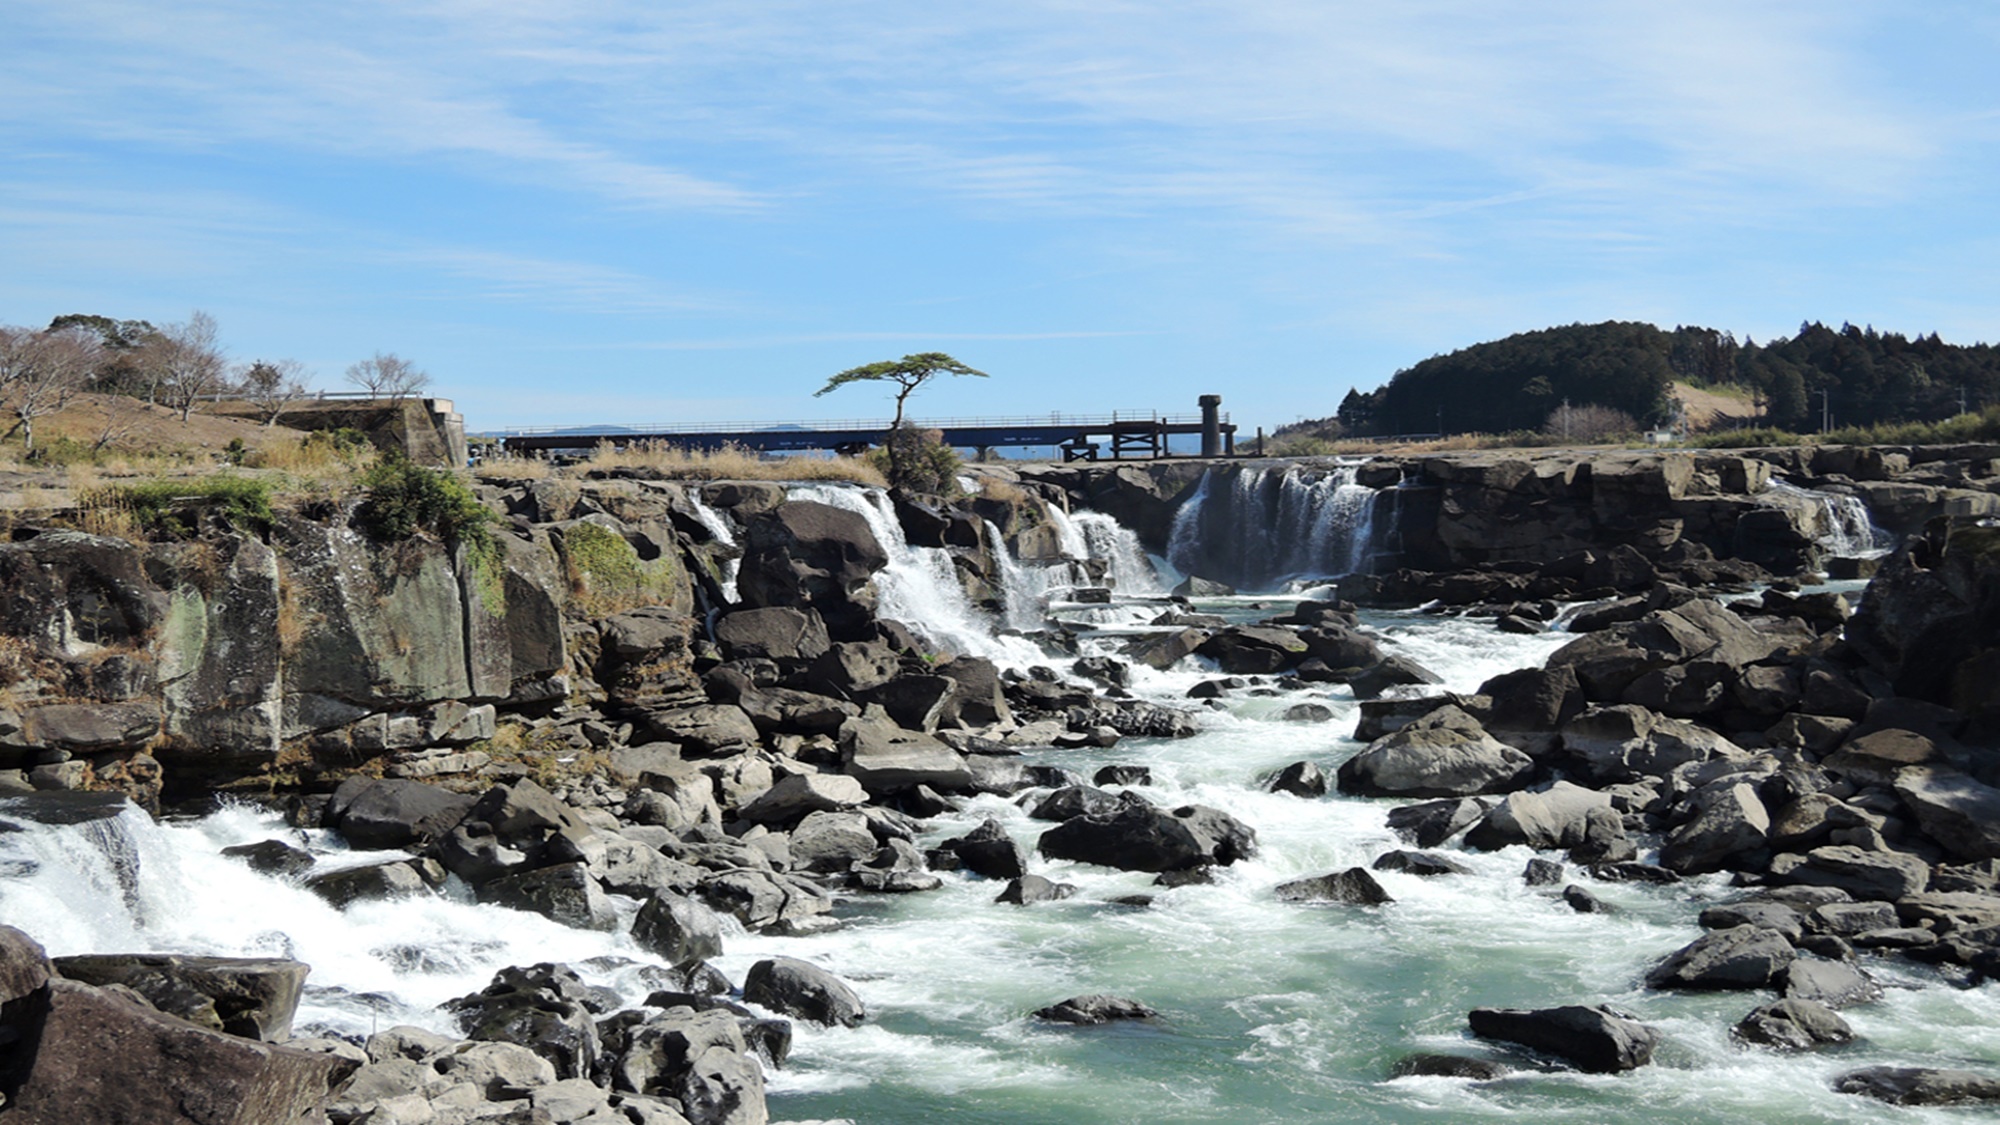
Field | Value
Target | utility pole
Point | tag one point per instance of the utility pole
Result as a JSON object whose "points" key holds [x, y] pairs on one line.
{"points": [[1565, 421], [1825, 412]]}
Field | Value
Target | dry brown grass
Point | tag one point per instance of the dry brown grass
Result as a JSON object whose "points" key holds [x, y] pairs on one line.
{"points": [[506, 469], [731, 464]]}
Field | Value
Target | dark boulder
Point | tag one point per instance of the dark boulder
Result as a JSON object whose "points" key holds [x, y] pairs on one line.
{"points": [[254, 997], [1300, 779], [1419, 863], [1141, 837], [393, 813], [546, 1008], [1444, 754], [810, 555], [1431, 823], [1594, 1039], [1095, 1009], [1918, 1085], [804, 991], [1740, 957], [678, 929], [1354, 886], [1794, 1025], [1033, 888], [1447, 1066], [989, 851]]}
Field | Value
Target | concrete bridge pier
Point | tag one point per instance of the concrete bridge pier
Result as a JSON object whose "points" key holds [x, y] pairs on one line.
{"points": [[1211, 426]]}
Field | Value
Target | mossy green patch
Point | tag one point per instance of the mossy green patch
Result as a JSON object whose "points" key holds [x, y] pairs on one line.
{"points": [[607, 576], [172, 507]]}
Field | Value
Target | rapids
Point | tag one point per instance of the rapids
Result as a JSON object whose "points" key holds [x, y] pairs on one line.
{"points": [[1269, 1012]]}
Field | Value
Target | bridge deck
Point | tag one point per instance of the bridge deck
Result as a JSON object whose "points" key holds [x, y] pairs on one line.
{"points": [[1135, 433]]}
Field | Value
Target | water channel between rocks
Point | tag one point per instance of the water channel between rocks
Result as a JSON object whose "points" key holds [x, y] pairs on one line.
{"points": [[1268, 1011]]}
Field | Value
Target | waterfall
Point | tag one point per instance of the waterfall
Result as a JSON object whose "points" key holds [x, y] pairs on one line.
{"points": [[70, 857], [1846, 530], [1274, 524], [1184, 538], [719, 528], [1024, 590], [1101, 537], [920, 587]]}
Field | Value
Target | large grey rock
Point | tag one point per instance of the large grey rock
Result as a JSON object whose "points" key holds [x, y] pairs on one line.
{"points": [[1444, 754], [1141, 837], [1096, 1008], [1607, 662], [1354, 886], [678, 929], [72, 594], [1556, 817], [803, 990], [1921, 1085], [1835, 984], [101, 1059], [1628, 743], [1729, 822], [699, 1058], [1594, 1039], [562, 892], [389, 625], [1741, 957], [1863, 874], [24, 965], [1957, 811], [393, 813], [781, 633], [806, 554], [220, 657], [798, 794], [254, 997], [886, 758], [514, 828], [1431, 823], [396, 879], [544, 1008], [831, 841], [1794, 1025], [763, 899]]}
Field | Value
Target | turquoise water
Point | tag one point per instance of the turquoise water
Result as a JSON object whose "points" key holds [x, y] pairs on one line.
{"points": [[1269, 1011]]}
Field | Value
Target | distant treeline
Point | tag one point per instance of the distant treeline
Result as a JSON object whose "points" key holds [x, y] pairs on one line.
{"points": [[1858, 376]]}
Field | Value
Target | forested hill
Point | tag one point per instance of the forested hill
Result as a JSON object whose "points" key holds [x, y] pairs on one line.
{"points": [[1514, 384]]}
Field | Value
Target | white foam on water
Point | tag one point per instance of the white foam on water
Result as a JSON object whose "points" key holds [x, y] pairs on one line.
{"points": [[724, 534]]}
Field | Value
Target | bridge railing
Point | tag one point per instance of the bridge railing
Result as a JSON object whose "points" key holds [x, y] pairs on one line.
{"points": [[873, 425]]}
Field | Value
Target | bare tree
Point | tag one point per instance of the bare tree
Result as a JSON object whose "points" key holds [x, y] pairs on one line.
{"points": [[122, 414], [189, 363], [388, 375], [1589, 422], [273, 386], [41, 371]]}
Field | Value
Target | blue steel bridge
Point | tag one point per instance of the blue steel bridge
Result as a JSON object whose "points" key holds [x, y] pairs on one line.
{"points": [[1119, 435]]}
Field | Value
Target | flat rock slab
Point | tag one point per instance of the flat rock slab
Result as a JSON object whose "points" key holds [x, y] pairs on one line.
{"points": [[104, 1060], [254, 997], [1919, 1085], [1794, 1025]]}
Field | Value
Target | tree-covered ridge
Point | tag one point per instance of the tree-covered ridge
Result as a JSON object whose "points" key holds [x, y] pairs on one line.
{"points": [[1868, 378]]}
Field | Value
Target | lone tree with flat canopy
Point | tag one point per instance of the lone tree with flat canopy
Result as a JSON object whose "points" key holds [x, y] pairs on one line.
{"points": [[908, 373]]}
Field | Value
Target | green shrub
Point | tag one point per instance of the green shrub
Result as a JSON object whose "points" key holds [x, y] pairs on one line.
{"points": [[921, 463], [405, 498], [172, 507]]}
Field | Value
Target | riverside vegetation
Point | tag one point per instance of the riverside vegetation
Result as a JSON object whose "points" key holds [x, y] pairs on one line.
{"points": [[690, 716]]}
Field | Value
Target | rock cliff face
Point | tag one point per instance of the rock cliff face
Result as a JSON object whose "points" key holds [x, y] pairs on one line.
{"points": [[1459, 511]]}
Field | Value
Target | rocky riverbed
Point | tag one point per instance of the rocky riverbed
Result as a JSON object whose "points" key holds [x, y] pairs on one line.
{"points": [[757, 809]]}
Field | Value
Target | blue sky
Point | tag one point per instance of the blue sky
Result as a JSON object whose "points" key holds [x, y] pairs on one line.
{"points": [[644, 212]]}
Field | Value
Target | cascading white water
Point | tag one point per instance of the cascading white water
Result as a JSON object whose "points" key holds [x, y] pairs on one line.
{"points": [[1094, 535], [1846, 528], [1276, 524], [719, 528], [1271, 1011], [920, 586], [125, 884], [1184, 537]]}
